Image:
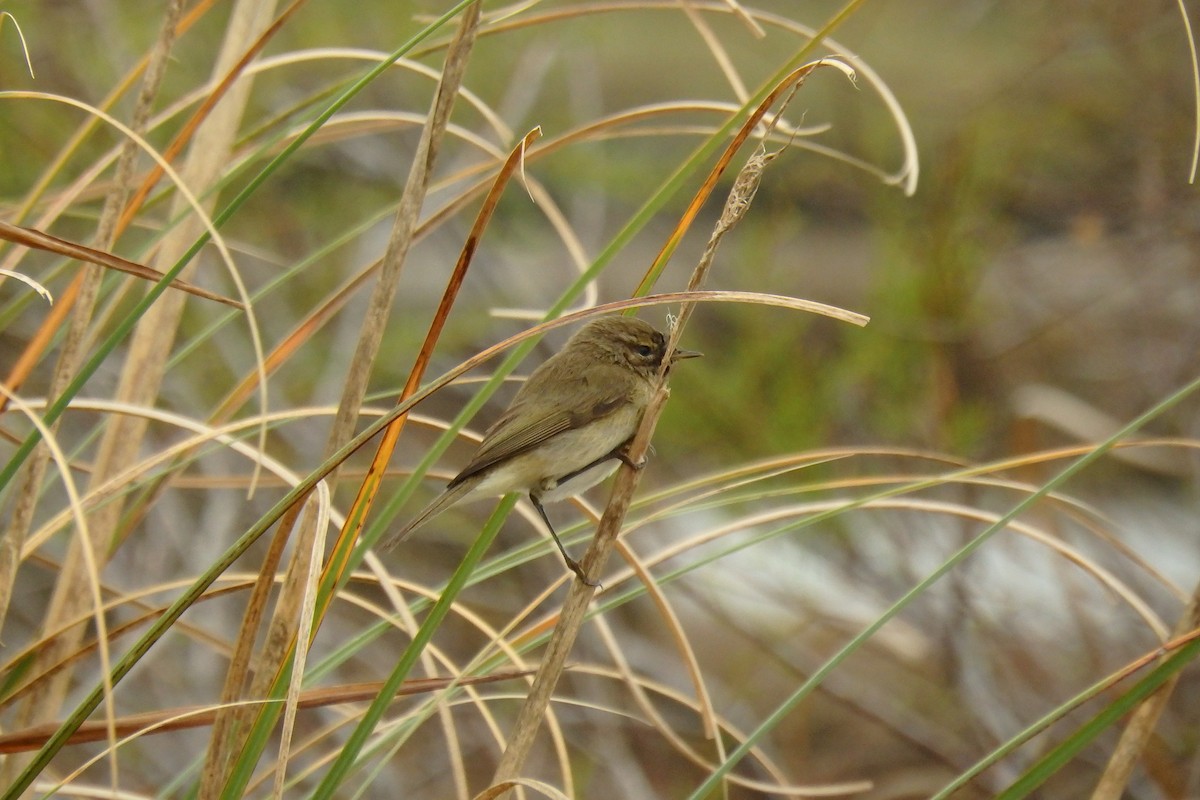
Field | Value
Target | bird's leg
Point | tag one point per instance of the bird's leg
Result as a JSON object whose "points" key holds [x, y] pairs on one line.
{"points": [[570, 476], [620, 454], [572, 564]]}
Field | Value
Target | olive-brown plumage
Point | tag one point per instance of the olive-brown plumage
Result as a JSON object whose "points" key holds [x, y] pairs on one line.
{"points": [[569, 424]]}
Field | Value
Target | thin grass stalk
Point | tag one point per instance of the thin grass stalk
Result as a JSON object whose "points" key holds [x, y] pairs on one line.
{"points": [[1054, 715], [56, 409], [142, 374], [348, 754], [230, 725], [40, 240], [80, 298], [1195, 65], [122, 329], [81, 301], [55, 169], [368, 490], [304, 634], [234, 73], [719, 53], [180, 718], [1140, 728], [5, 16], [1168, 670], [281, 637], [580, 595], [683, 645], [383, 294], [43, 337], [126, 324]]}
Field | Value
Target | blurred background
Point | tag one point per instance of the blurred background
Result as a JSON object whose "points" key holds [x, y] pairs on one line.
{"points": [[1039, 290], [1055, 143]]}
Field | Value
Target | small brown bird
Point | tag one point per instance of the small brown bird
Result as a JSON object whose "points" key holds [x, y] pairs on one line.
{"points": [[569, 424]]}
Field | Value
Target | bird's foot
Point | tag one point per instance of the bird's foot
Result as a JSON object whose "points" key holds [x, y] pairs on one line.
{"points": [[637, 466], [575, 567]]}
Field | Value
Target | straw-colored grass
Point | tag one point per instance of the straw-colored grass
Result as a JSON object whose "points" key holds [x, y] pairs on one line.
{"points": [[298, 259]]}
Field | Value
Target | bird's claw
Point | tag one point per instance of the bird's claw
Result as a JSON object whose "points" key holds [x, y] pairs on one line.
{"points": [[575, 567], [637, 466]]}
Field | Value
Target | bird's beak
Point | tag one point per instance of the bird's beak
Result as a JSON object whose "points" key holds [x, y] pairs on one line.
{"points": [[680, 355]]}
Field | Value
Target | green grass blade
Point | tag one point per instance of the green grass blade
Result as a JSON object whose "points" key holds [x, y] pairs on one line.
{"points": [[717, 777], [340, 769], [1050, 763]]}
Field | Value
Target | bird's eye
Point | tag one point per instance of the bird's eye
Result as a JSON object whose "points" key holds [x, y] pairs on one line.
{"points": [[645, 350]]}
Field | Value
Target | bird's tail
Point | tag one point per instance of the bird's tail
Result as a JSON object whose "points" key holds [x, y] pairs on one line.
{"points": [[446, 499]]}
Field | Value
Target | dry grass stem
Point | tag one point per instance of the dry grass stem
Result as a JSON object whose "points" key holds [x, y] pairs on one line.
{"points": [[177, 719], [40, 240], [80, 296], [281, 638], [382, 295], [580, 594], [1140, 729], [75, 587], [369, 488]]}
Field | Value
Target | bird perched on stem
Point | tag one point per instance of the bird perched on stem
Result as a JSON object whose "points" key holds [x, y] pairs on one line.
{"points": [[569, 424]]}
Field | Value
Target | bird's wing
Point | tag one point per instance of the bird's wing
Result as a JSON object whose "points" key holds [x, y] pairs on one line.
{"points": [[591, 400]]}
